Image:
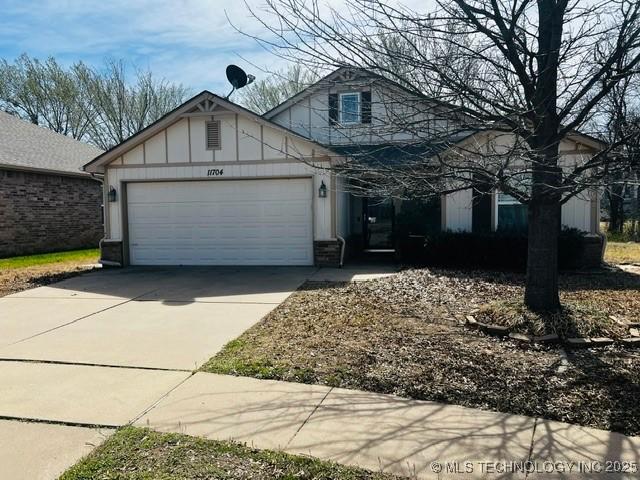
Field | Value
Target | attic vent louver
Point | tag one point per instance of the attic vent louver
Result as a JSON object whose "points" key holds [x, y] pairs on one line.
{"points": [[213, 135]]}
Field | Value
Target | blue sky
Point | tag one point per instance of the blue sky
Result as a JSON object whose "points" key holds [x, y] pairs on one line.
{"points": [[185, 41]]}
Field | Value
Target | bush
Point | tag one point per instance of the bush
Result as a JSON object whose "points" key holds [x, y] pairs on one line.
{"points": [[496, 250]]}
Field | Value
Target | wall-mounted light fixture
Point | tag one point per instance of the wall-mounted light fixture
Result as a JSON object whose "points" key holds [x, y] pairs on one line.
{"points": [[322, 191], [112, 196]]}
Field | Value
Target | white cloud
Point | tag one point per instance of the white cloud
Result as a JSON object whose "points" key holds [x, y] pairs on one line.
{"points": [[187, 41]]}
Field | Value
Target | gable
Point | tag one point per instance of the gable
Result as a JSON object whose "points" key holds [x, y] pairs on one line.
{"points": [[180, 138]]}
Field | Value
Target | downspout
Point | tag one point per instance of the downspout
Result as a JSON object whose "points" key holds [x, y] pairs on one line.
{"points": [[342, 249]]}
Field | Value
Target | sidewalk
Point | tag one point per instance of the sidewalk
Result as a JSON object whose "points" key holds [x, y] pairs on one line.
{"points": [[383, 432]]}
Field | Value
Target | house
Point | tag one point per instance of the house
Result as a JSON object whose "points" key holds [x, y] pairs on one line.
{"points": [[47, 202], [212, 183]]}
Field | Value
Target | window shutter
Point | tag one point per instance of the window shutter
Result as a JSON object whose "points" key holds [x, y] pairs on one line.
{"points": [[333, 108], [213, 135], [365, 107]]}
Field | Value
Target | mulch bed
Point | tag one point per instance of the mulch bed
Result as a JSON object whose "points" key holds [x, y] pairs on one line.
{"points": [[401, 335], [18, 279]]}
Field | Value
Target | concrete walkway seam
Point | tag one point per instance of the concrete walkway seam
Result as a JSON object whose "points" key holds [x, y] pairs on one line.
{"points": [[101, 365], [315, 409], [63, 423], [81, 318], [162, 397]]}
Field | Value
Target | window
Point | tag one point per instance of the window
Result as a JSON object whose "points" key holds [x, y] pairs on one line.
{"points": [[349, 108], [213, 135], [512, 215]]}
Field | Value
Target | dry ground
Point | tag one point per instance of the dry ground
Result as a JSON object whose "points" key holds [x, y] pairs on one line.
{"points": [[136, 453], [400, 335], [623, 252], [22, 273]]}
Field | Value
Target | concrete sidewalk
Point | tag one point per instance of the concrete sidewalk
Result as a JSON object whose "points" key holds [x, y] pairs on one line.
{"points": [[384, 432]]}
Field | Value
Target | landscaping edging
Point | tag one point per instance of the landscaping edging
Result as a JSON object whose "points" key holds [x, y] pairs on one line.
{"points": [[552, 339]]}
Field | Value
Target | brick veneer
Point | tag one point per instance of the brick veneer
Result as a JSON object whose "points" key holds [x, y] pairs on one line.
{"points": [[111, 253], [326, 253], [44, 213]]}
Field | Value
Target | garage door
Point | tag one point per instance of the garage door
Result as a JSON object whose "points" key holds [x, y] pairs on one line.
{"points": [[224, 222]]}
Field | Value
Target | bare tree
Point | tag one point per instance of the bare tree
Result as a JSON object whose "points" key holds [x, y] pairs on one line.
{"points": [[44, 93], [100, 106], [532, 71], [265, 94], [119, 109]]}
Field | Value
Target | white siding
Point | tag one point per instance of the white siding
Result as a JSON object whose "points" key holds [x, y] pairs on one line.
{"points": [[249, 144], [199, 152], [343, 208], [576, 213], [134, 156], [178, 142], [459, 208], [155, 149]]}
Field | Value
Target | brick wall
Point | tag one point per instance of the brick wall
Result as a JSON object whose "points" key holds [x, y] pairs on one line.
{"points": [[111, 253], [326, 253], [45, 213]]}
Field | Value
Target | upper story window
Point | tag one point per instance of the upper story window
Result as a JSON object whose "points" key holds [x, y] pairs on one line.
{"points": [[350, 108]]}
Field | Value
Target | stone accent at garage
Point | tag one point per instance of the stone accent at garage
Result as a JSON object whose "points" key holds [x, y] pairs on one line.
{"points": [[47, 212], [111, 253], [326, 253]]}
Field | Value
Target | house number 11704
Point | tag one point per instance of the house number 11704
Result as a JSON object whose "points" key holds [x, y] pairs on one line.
{"points": [[215, 172]]}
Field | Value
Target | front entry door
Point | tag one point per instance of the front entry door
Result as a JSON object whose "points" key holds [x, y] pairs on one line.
{"points": [[379, 223]]}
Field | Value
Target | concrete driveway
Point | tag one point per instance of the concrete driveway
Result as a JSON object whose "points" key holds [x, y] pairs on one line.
{"points": [[163, 318], [97, 351]]}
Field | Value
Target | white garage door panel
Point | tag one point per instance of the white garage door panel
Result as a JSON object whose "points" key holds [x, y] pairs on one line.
{"points": [[243, 222]]}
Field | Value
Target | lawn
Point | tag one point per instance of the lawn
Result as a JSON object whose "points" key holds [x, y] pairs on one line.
{"points": [[137, 453], [21, 273], [401, 335], [622, 252]]}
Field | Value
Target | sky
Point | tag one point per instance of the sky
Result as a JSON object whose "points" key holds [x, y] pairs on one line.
{"points": [[184, 41]]}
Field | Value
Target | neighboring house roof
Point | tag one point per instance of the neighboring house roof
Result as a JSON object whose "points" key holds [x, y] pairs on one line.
{"points": [[171, 117], [25, 146]]}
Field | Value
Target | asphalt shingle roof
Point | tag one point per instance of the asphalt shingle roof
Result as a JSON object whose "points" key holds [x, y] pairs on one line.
{"points": [[25, 145]]}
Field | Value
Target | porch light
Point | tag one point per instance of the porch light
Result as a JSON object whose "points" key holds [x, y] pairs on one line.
{"points": [[322, 191], [112, 195]]}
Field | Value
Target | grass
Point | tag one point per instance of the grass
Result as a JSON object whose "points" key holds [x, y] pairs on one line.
{"points": [[620, 253], [22, 273], [141, 454], [400, 335], [90, 255]]}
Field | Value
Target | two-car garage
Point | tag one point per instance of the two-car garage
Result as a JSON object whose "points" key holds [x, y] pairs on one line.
{"points": [[220, 222], [212, 183]]}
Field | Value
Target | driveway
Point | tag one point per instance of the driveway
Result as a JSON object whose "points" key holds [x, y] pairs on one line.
{"points": [[101, 349]]}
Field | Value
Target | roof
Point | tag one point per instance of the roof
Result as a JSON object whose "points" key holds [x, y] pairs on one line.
{"points": [[585, 138], [356, 70], [26, 146], [398, 154], [168, 119]]}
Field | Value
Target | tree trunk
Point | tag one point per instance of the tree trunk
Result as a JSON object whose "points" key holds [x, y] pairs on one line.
{"points": [[541, 292]]}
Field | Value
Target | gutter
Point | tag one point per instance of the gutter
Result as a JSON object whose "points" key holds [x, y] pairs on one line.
{"points": [[342, 249]]}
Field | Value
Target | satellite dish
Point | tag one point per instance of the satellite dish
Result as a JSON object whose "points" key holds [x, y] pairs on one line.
{"points": [[237, 78]]}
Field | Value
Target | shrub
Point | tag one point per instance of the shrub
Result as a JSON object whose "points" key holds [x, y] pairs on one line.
{"points": [[496, 250]]}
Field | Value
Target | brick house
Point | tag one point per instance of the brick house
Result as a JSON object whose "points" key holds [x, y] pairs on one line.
{"points": [[47, 203]]}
